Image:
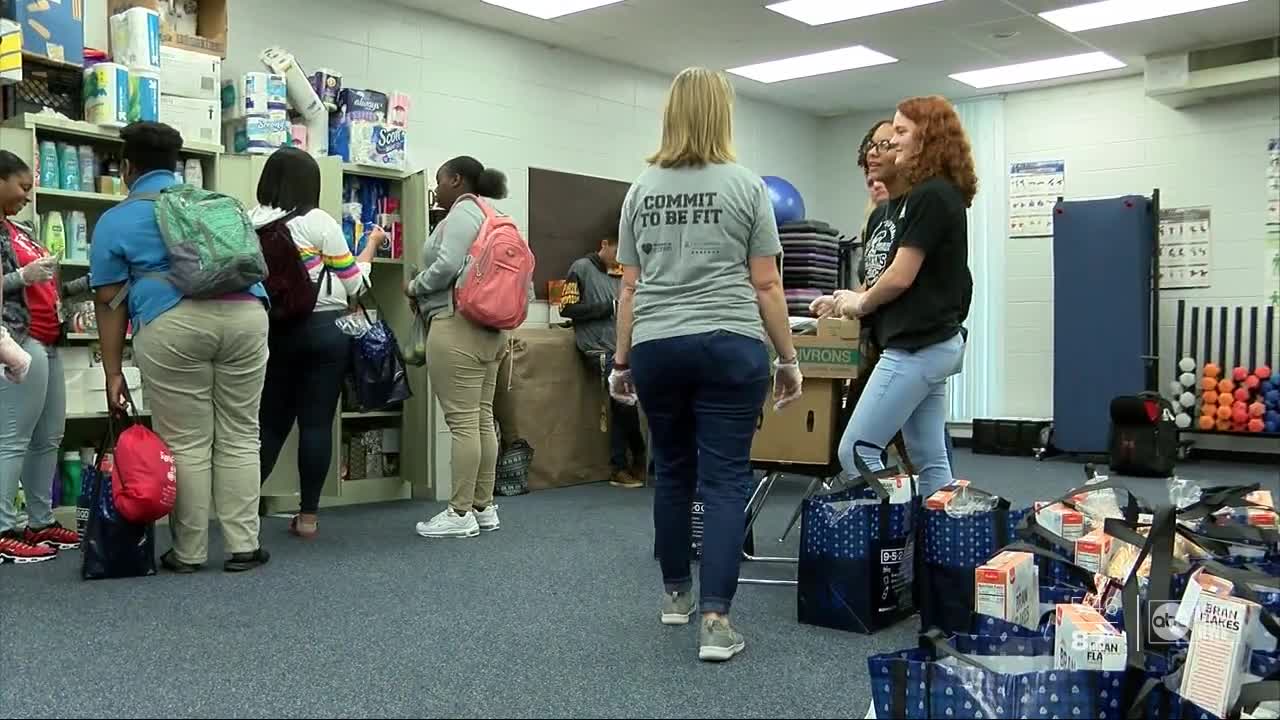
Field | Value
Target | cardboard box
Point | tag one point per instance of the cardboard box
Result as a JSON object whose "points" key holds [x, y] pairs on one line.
{"points": [[1086, 641], [1199, 585], [1005, 588], [1219, 650], [1093, 551], [940, 499], [10, 52], [804, 432], [839, 328], [53, 29], [197, 120], [190, 74], [1060, 520], [211, 25]]}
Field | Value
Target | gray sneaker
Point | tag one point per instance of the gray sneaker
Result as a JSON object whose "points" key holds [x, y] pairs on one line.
{"points": [[677, 608], [718, 641]]}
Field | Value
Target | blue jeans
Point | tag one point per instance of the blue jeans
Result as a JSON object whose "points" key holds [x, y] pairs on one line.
{"points": [[907, 391], [32, 417], [702, 394]]}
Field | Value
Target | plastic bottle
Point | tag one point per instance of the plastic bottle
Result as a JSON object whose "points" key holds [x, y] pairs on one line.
{"points": [[88, 169], [194, 173], [53, 233], [77, 236], [49, 164], [69, 167], [72, 471]]}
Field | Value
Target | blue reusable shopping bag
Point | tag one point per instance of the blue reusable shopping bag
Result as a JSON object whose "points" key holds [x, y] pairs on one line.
{"points": [[856, 556]]}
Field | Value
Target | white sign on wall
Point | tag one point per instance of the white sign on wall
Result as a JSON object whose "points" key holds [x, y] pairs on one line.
{"points": [[1184, 248], [1034, 188]]}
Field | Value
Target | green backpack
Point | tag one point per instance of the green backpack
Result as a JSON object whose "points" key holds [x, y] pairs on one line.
{"points": [[213, 247]]}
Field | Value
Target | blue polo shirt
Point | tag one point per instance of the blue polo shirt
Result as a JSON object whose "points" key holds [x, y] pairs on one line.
{"points": [[127, 245]]}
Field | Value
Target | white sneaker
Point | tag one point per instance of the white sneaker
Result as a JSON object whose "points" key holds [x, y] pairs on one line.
{"points": [[488, 519], [449, 524]]}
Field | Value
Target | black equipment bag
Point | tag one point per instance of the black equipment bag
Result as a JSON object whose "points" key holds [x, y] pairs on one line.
{"points": [[1144, 436]]}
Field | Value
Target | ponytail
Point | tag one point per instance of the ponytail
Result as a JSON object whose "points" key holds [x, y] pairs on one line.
{"points": [[486, 182]]}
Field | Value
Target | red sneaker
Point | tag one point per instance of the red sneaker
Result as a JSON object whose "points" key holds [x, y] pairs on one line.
{"points": [[55, 536], [14, 549]]}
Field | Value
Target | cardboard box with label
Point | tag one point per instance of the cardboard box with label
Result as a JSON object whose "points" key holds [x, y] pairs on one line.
{"points": [[187, 73], [51, 29], [1219, 650], [200, 27], [197, 120], [1093, 551], [1060, 520], [805, 432], [1084, 640], [1005, 588]]}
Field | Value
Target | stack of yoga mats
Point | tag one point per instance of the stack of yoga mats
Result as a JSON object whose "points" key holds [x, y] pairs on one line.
{"points": [[810, 262]]}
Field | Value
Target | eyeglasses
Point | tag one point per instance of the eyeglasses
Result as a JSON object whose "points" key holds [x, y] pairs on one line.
{"points": [[881, 147]]}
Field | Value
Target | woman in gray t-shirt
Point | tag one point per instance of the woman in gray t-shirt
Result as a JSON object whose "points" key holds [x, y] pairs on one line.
{"points": [[698, 245]]}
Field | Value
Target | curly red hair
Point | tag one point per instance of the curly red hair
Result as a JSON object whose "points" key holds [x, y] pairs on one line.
{"points": [[944, 146]]}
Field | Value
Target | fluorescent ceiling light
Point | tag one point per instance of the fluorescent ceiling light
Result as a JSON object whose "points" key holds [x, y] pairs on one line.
{"points": [[821, 63], [548, 9], [1039, 70], [821, 12], [1119, 12]]}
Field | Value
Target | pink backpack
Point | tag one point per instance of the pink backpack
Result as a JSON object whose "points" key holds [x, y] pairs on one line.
{"points": [[493, 289]]}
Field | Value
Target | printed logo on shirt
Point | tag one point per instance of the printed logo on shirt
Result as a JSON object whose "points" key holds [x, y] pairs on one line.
{"points": [[681, 210], [876, 256]]}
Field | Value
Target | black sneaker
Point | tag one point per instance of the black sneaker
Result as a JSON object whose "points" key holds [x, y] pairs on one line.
{"points": [[169, 561], [243, 562]]}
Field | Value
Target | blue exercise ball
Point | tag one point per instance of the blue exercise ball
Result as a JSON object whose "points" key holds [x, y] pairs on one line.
{"points": [[788, 206]]}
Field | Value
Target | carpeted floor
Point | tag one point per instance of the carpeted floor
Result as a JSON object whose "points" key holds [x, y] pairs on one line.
{"points": [[554, 616]]}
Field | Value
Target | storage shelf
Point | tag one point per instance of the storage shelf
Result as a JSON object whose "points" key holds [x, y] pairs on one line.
{"points": [[388, 261], [101, 416], [75, 128], [88, 197], [371, 415], [372, 171]]}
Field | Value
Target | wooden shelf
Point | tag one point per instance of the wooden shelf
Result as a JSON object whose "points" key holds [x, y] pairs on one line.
{"points": [[372, 171], [372, 415], [88, 197], [38, 59], [58, 125]]}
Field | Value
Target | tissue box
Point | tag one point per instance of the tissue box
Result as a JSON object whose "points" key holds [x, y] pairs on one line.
{"points": [[190, 74], [257, 135], [10, 52], [365, 143], [196, 119], [254, 94], [363, 105], [54, 30]]}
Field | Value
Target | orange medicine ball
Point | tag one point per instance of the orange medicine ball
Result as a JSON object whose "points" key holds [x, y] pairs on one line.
{"points": [[1226, 399], [1206, 422], [1226, 386], [1211, 370], [1210, 397], [1224, 425], [1224, 412], [1208, 384]]}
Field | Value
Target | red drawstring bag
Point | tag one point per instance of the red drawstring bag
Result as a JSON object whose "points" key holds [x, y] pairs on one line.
{"points": [[144, 482]]}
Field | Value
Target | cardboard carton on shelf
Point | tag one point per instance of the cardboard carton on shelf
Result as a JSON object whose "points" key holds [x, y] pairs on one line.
{"points": [[210, 35], [804, 432], [52, 30]]}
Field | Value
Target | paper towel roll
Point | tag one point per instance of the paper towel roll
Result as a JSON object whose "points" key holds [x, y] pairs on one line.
{"points": [[255, 94], [135, 39], [302, 96], [144, 96], [106, 95]]}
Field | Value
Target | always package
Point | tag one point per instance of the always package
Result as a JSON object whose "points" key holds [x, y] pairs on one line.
{"points": [[1084, 640], [1006, 589]]}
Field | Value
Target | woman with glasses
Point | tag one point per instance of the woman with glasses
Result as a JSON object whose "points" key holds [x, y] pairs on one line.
{"points": [[916, 287]]}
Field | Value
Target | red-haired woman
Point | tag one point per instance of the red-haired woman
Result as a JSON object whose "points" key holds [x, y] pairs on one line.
{"points": [[918, 289]]}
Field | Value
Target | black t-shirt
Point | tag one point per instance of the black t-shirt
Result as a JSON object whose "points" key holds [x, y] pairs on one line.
{"points": [[933, 218]]}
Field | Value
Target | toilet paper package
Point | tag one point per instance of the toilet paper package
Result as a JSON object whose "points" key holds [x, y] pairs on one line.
{"points": [[135, 39], [197, 120], [144, 96], [302, 96], [190, 74], [327, 84], [106, 95], [254, 94], [363, 105], [257, 135]]}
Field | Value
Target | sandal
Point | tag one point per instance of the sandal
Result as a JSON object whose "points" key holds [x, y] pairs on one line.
{"points": [[243, 562], [304, 530], [170, 562]]}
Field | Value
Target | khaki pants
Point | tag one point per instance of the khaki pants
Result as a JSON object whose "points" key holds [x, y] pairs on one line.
{"points": [[462, 362], [203, 364]]}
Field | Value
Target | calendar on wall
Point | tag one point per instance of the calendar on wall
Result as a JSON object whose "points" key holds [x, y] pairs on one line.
{"points": [[1034, 189], [1185, 257]]}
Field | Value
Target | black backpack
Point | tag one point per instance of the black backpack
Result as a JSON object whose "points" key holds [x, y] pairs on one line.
{"points": [[289, 287], [1144, 435]]}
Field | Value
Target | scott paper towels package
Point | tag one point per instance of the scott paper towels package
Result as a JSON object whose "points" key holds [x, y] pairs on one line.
{"points": [[366, 143], [135, 39], [197, 120], [106, 95], [254, 94], [257, 135], [190, 74]]}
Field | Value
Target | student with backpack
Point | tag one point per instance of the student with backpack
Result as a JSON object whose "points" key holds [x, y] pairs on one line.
{"points": [[200, 337], [474, 287], [312, 278]]}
